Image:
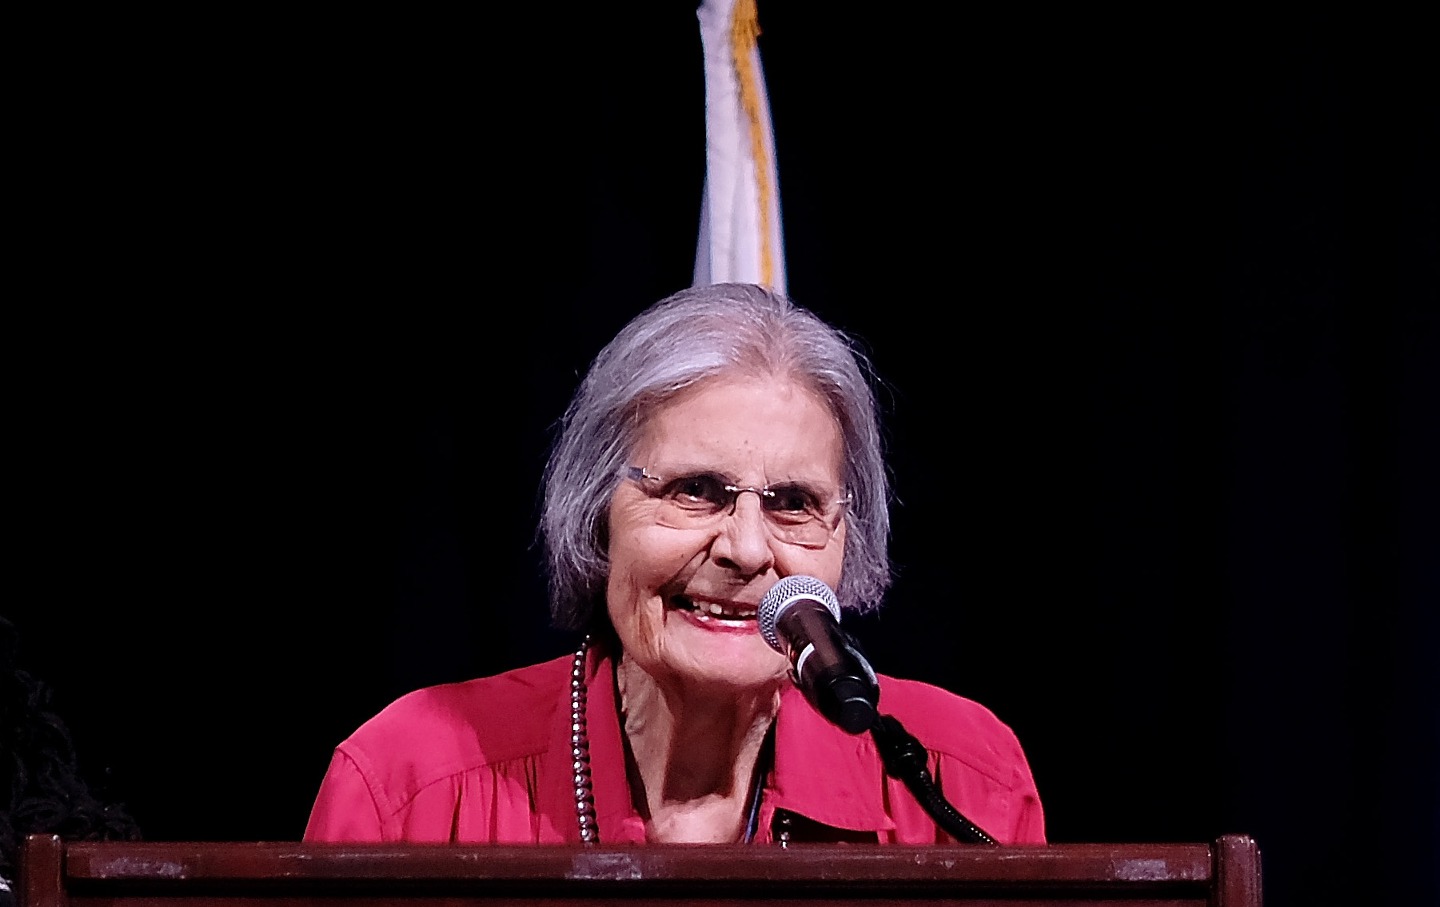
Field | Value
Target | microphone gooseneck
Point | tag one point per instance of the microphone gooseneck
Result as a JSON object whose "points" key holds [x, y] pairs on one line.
{"points": [[906, 759]]}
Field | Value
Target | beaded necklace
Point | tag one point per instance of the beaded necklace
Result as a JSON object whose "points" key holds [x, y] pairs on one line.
{"points": [[580, 749]]}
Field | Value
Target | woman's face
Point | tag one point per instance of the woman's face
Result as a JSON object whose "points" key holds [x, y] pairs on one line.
{"points": [[666, 581]]}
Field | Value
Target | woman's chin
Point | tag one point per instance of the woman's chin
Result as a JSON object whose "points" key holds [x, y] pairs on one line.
{"points": [[730, 654]]}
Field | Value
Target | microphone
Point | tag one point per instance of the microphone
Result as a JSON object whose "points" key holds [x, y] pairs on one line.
{"points": [[800, 618]]}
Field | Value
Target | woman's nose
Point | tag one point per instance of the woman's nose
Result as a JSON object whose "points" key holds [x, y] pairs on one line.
{"points": [[744, 541]]}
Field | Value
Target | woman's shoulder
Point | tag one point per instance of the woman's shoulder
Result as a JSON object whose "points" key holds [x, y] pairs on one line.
{"points": [[456, 726], [949, 724]]}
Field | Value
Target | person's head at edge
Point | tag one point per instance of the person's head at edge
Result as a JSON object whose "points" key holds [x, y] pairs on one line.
{"points": [[727, 384], [42, 790]]}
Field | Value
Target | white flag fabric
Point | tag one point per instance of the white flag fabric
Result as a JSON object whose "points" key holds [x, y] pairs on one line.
{"points": [[740, 235]]}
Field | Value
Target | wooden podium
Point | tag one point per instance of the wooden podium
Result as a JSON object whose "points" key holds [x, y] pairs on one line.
{"points": [[55, 873]]}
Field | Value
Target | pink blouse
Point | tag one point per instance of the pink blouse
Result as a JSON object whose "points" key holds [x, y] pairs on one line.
{"points": [[488, 761]]}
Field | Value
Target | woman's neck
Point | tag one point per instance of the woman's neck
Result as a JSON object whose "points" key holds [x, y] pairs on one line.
{"points": [[692, 754]]}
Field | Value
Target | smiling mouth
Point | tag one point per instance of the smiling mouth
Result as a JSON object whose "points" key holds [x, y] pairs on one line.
{"points": [[713, 610]]}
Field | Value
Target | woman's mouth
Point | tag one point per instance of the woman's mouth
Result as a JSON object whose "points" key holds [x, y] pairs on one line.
{"points": [[712, 610]]}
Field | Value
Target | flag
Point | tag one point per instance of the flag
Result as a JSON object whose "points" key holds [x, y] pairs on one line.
{"points": [[740, 235]]}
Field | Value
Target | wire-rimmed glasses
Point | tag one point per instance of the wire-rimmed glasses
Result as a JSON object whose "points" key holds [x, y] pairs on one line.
{"points": [[796, 512]]}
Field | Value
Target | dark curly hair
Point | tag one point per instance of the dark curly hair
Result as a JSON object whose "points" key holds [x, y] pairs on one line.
{"points": [[42, 790]]}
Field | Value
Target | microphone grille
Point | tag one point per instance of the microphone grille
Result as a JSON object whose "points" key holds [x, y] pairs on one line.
{"points": [[784, 594]]}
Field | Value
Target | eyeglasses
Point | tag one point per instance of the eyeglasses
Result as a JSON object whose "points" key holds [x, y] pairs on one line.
{"points": [[796, 513]]}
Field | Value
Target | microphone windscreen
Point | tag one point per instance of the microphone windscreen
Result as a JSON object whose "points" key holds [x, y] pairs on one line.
{"points": [[786, 593]]}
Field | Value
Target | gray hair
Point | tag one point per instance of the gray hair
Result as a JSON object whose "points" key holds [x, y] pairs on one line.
{"points": [[680, 341]]}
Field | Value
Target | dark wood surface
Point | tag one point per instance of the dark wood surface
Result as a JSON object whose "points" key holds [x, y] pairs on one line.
{"points": [[54, 873]]}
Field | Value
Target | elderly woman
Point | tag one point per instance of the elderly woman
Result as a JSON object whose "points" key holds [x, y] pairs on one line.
{"points": [[724, 439]]}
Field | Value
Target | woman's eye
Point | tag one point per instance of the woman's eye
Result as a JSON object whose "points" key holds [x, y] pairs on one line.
{"points": [[699, 490], [792, 500]]}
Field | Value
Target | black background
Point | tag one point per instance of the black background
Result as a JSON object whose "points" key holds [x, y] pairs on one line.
{"points": [[1154, 294]]}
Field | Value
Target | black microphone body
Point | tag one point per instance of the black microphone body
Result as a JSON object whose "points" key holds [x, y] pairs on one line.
{"points": [[800, 618]]}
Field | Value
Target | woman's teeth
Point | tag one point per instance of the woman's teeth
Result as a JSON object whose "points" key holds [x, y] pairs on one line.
{"points": [[715, 609]]}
